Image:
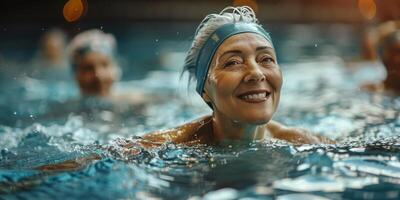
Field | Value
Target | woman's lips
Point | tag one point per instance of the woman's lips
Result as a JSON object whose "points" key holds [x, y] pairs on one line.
{"points": [[255, 96]]}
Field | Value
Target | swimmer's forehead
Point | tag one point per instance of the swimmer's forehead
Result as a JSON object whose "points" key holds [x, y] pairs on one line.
{"points": [[239, 42]]}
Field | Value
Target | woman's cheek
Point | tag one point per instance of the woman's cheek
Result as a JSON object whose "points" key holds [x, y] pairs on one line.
{"points": [[226, 80], [275, 77]]}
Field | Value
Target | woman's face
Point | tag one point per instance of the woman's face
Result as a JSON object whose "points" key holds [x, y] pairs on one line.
{"points": [[95, 74], [244, 80]]}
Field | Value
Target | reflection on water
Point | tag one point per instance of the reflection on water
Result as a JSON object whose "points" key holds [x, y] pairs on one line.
{"points": [[321, 96]]}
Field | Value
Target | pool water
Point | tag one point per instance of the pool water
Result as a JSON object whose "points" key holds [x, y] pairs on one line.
{"points": [[320, 95]]}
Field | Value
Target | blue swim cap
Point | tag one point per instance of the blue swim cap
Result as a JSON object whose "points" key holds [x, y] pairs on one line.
{"points": [[215, 40]]}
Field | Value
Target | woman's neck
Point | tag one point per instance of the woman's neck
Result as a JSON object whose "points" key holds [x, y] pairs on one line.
{"points": [[228, 129]]}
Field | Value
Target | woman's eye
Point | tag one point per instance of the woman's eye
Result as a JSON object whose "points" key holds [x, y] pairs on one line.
{"points": [[267, 60], [231, 63]]}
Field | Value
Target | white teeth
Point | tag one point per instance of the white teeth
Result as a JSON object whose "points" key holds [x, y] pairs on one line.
{"points": [[260, 96]]}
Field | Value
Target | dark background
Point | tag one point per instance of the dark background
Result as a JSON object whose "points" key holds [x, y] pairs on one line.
{"points": [[293, 11]]}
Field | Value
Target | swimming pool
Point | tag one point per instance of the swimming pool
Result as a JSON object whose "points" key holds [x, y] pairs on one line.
{"points": [[44, 122], [320, 95]]}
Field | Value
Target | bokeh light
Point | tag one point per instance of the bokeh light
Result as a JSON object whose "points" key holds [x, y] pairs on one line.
{"points": [[74, 9], [367, 8]]}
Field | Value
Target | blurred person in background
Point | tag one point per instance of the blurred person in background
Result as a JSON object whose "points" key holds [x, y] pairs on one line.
{"points": [[50, 63], [373, 35], [389, 53], [372, 66], [95, 69], [92, 57]]}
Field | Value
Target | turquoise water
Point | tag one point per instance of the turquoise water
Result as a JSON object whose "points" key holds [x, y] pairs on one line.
{"points": [[321, 95]]}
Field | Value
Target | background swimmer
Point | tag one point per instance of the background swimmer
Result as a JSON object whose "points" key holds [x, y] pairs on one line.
{"points": [[92, 55], [92, 59], [51, 63], [94, 66], [389, 51], [373, 36]]}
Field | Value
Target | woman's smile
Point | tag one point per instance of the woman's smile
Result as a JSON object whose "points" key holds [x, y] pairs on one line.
{"points": [[254, 96]]}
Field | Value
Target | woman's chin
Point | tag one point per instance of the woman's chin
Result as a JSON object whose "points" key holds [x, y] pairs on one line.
{"points": [[257, 120]]}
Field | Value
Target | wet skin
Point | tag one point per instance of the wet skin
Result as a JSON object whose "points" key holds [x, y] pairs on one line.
{"points": [[95, 74]]}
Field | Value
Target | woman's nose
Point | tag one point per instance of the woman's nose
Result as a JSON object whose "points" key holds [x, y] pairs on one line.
{"points": [[254, 73]]}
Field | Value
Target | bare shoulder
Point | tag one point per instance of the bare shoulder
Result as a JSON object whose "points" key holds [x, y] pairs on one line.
{"points": [[186, 133], [295, 135]]}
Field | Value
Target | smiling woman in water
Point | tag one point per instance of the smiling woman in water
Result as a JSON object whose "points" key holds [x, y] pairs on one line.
{"points": [[234, 63], [233, 60]]}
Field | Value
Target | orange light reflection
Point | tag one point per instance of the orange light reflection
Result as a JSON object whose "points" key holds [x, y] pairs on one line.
{"points": [[367, 8], [74, 9]]}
